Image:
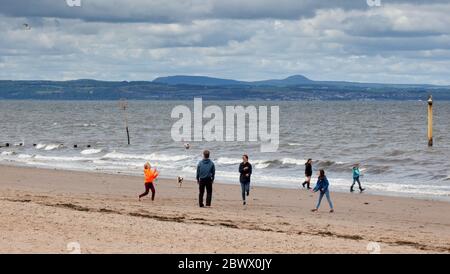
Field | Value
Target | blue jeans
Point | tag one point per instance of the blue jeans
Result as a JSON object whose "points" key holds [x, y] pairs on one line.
{"points": [[356, 179], [327, 194], [245, 187]]}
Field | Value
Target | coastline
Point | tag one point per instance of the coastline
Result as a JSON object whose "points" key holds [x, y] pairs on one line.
{"points": [[45, 209], [368, 191]]}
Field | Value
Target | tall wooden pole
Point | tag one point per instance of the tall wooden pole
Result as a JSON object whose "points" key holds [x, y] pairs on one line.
{"points": [[430, 121], [126, 127], [123, 104]]}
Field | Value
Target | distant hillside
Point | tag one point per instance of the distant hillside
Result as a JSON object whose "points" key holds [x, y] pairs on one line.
{"points": [[210, 81], [296, 87], [195, 80], [289, 81]]}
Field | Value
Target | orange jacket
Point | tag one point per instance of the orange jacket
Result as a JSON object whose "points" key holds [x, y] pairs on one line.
{"points": [[150, 175]]}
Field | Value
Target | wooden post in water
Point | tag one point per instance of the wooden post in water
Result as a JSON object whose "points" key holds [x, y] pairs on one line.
{"points": [[430, 121], [123, 104]]}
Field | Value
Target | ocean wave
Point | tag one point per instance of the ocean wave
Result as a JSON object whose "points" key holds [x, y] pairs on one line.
{"points": [[152, 157], [293, 161], [89, 125], [439, 177], [262, 165], [396, 152], [189, 169], [53, 146], [60, 158], [48, 146], [371, 146], [390, 160], [91, 151], [8, 153], [411, 189], [112, 164], [326, 163], [228, 161], [123, 156], [167, 158], [40, 146], [25, 156], [378, 169]]}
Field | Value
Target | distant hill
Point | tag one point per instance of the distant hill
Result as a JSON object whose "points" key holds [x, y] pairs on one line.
{"points": [[181, 87], [294, 80], [195, 80], [211, 81], [289, 81]]}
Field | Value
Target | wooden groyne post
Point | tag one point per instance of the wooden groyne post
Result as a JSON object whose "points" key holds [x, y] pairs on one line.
{"points": [[430, 121], [123, 104]]}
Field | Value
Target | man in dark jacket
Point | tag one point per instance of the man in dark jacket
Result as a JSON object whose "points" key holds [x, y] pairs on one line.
{"points": [[245, 169], [308, 173], [205, 178]]}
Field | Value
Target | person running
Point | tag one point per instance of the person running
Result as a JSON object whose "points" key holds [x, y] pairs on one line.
{"points": [[356, 175], [245, 169], [149, 175], [322, 186], [308, 174], [205, 178]]}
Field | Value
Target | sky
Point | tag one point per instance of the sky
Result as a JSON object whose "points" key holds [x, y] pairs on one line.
{"points": [[395, 41]]}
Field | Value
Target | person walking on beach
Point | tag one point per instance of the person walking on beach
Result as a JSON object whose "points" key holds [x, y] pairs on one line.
{"points": [[308, 174], [205, 178], [149, 176], [245, 169], [356, 175], [322, 186]]}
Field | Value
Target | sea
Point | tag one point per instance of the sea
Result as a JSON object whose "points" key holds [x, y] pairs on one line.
{"points": [[387, 138]]}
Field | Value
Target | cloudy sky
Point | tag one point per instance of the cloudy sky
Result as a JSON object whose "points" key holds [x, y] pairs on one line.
{"points": [[398, 42]]}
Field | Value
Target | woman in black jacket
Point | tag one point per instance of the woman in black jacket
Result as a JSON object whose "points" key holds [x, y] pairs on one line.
{"points": [[245, 169], [308, 173]]}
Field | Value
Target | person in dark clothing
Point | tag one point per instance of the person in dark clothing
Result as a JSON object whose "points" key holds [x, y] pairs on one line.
{"points": [[308, 174], [205, 178], [245, 169]]}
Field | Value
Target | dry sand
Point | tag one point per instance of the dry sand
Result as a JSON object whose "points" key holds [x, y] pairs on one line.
{"points": [[44, 210]]}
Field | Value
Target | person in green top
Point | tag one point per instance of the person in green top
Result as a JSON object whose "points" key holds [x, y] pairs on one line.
{"points": [[356, 175]]}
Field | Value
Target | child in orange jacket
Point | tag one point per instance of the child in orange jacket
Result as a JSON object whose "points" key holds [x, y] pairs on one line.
{"points": [[149, 175]]}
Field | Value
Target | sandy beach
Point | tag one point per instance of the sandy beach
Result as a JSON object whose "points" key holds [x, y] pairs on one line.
{"points": [[44, 210]]}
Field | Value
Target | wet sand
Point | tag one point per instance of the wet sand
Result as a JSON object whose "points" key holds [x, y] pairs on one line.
{"points": [[44, 210]]}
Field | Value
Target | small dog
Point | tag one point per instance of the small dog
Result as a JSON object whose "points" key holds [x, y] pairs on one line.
{"points": [[180, 180]]}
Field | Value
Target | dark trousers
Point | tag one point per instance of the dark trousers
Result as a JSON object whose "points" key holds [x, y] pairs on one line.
{"points": [[205, 184], [245, 188], [356, 179], [148, 187], [307, 181]]}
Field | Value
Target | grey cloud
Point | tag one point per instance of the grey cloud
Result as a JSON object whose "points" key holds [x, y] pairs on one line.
{"points": [[162, 11]]}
